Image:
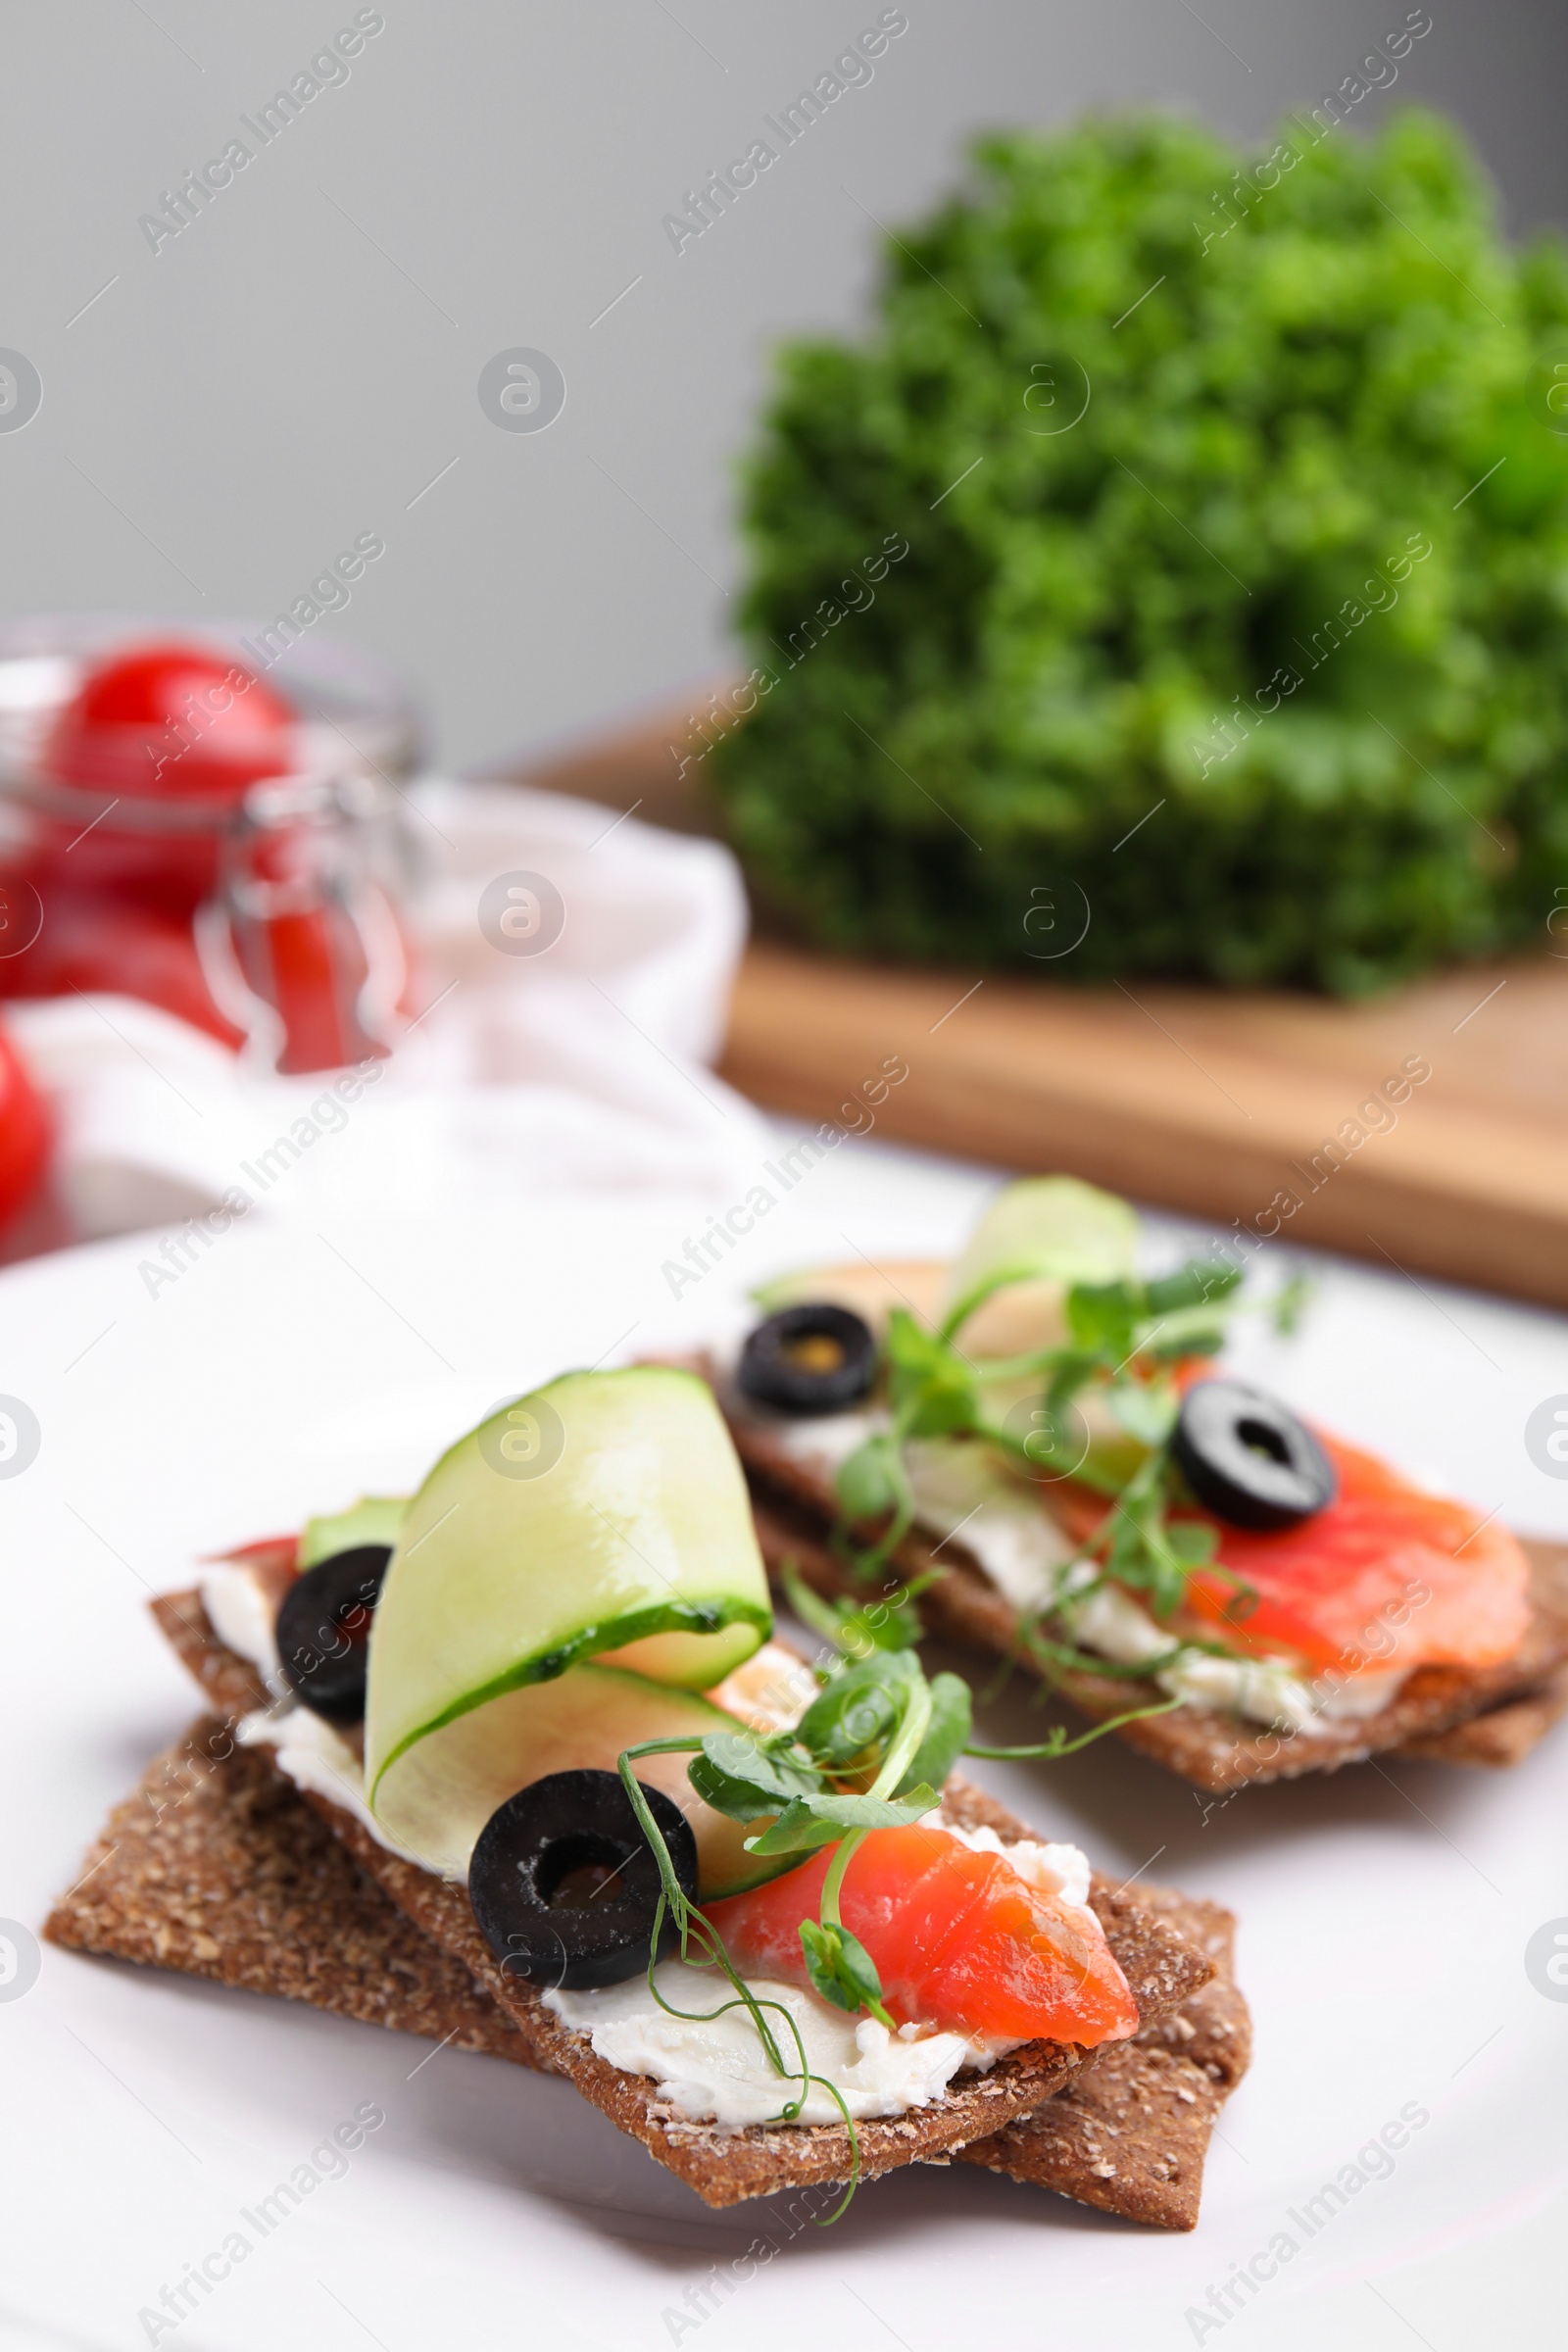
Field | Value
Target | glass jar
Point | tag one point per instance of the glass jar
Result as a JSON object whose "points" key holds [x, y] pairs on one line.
{"points": [[185, 820]]}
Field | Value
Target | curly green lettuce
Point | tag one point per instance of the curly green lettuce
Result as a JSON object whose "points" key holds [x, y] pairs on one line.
{"points": [[1233, 501]]}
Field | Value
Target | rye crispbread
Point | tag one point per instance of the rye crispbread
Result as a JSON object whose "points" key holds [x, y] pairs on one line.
{"points": [[724, 2166], [1505, 1733], [216, 1866], [1163, 1970], [1437, 1712], [1131, 2133]]}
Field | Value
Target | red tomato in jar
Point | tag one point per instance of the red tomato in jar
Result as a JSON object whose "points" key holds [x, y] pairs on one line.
{"points": [[24, 1133], [172, 722], [174, 734], [94, 941]]}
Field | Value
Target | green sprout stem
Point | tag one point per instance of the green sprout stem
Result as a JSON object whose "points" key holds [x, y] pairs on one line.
{"points": [[697, 1929], [1059, 1744], [863, 1566], [894, 1764]]}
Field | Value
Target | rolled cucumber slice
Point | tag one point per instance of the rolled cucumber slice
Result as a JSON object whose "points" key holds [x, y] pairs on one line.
{"points": [[605, 1512], [374, 1519], [439, 1794], [1036, 1237]]}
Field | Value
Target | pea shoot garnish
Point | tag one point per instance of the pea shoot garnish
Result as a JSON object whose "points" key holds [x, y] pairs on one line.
{"points": [[1123, 1344]]}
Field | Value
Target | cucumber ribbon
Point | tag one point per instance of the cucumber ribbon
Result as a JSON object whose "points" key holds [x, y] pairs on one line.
{"points": [[569, 1578]]}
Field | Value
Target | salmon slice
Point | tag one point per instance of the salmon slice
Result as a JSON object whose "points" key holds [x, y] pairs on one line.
{"points": [[960, 1941], [1386, 1579]]}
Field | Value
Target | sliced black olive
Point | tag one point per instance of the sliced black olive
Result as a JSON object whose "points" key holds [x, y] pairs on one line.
{"points": [[323, 1631], [808, 1359], [564, 1884], [1247, 1459]]}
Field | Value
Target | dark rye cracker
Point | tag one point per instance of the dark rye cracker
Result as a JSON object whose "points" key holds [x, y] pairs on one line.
{"points": [[216, 1866], [1502, 1734], [1163, 1970], [1131, 2133], [1430, 1716]]}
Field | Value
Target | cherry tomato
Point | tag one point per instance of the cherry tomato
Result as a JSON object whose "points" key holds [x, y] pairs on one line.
{"points": [[172, 722], [120, 883]]}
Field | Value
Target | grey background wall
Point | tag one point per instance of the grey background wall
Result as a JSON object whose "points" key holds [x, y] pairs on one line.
{"points": [[299, 363]]}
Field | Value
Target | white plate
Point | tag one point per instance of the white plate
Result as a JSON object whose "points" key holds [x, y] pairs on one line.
{"points": [[1385, 1912]]}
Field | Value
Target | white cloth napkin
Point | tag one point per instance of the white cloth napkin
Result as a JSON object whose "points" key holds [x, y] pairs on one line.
{"points": [[583, 1065]]}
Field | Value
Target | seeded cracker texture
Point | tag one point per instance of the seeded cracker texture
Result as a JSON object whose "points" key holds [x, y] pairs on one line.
{"points": [[1437, 1714], [1130, 2133], [215, 1866], [1163, 1970], [1500, 1735]]}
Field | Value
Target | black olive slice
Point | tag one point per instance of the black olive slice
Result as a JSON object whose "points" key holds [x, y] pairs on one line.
{"points": [[564, 1884], [323, 1631], [1247, 1459], [808, 1359]]}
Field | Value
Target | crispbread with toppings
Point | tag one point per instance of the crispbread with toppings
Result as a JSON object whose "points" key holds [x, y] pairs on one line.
{"points": [[1437, 1705], [1164, 1971], [725, 2166], [216, 1866]]}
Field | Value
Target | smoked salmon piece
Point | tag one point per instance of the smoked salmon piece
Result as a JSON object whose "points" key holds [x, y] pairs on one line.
{"points": [[960, 1941], [1386, 1579]]}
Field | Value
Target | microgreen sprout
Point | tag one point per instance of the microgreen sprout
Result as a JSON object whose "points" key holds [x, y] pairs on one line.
{"points": [[700, 1945], [1124, 1344]]}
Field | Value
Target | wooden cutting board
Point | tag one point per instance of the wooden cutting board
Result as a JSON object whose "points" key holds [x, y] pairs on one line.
{"points": [[1223, 1104]]}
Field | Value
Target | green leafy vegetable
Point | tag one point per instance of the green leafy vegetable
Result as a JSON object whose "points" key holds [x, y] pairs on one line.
{"points": [[841, 1968], [946, 1735], [1233, 500], [930, 1388], [890, 1623], [814, 1820], [859, 1706], [871, 1480], [747, 1777]]}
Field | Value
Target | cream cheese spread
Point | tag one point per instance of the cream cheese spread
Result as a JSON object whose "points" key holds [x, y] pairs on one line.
{"points": [[241, 1613], [712, 2066], [1060, 1871]]}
